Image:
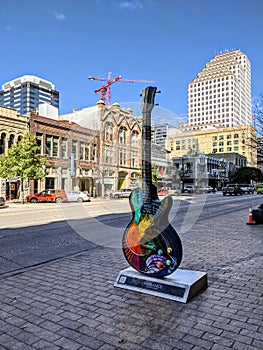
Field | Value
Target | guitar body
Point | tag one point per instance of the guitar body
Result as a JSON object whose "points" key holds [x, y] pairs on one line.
{"points": [[150, 243]]}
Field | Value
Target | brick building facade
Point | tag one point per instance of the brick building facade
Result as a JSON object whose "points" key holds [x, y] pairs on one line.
{"points": [[72, 153]]}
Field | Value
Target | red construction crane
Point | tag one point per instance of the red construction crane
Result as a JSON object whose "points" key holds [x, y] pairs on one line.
{"points": [[106, 88]]}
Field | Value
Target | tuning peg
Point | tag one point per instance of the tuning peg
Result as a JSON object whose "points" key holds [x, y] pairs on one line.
{"points": [[156, 104], [158, 91]]}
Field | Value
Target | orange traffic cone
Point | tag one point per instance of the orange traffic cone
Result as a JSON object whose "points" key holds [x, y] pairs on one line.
{"points": [[250, 220]]}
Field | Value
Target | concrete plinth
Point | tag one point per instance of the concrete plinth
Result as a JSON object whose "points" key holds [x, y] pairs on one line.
{"points": [[180, 286]]}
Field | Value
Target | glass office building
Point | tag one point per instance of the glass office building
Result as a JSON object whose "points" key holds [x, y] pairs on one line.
{"points": [[25, 94]]}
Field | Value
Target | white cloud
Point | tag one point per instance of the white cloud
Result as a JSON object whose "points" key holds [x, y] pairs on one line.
{"points": [[59, 16], [8, 28], [131, 4]]}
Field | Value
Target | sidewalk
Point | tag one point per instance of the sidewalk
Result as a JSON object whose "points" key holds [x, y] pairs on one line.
{"points": [[72, 304]]}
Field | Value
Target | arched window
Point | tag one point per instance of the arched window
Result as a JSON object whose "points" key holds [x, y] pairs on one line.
{"points": [[108, 131], [11, 141], [2, 143], [135, 138], [122, 135]]}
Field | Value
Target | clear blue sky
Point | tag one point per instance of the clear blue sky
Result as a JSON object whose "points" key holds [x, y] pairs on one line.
{"points": [[167, 41]]}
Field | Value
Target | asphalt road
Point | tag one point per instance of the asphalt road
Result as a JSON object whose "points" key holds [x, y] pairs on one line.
{"points": [[32, 234]]}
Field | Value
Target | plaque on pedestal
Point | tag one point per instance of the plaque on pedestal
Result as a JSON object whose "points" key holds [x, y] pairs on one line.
{"points": [[180, 286]]}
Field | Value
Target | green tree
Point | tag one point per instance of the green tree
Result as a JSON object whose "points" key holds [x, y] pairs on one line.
{"points": [[155, 176], [247, 174], [23, 161]]}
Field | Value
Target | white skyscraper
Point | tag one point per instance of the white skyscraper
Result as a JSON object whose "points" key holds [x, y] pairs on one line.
{"points": [[221, 92]]}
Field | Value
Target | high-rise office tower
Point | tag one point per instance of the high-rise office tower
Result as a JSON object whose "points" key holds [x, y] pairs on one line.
{"points": [[25, 94], [221, 92]]}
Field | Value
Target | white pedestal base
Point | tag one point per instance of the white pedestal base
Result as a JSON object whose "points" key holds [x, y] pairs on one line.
{"points": [[180, 286]]}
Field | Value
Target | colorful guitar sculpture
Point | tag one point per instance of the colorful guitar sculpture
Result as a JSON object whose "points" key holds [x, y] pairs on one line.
{"points": [[150, 243]]}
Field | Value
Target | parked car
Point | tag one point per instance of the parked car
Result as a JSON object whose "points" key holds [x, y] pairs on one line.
{"points": [[232, 189], [247, 188], [209, 189], [122, 193], [77, 196], [189, 188], [204, 189], [49, 195], [164, 191], [2, 201]]}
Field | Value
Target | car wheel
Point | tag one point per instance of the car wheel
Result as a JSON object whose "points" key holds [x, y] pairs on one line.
{"points": [[33, 200], [58, 200], [79, 200], [224, 194], [116, 196]]}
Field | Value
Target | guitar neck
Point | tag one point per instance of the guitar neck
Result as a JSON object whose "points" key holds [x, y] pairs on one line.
{"points": [[148, 103], [146, 154]]}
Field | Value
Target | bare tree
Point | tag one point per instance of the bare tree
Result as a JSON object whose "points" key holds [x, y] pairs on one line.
{"points": [[258, 114]]}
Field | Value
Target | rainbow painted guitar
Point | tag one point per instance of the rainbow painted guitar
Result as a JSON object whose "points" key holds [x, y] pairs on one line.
{"points": [[150, 243]]}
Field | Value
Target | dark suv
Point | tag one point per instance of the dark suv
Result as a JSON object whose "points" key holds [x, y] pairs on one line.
{"points": [[232, 189]]}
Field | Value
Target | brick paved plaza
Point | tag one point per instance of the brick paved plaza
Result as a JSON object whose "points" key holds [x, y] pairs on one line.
{"points": [[72, 304]]}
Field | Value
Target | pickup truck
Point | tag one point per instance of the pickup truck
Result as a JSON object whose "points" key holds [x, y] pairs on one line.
{"points": [[232, 189]]}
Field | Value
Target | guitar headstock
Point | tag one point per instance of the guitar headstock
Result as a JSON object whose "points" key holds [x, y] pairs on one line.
{"points": [[148, 96]]}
